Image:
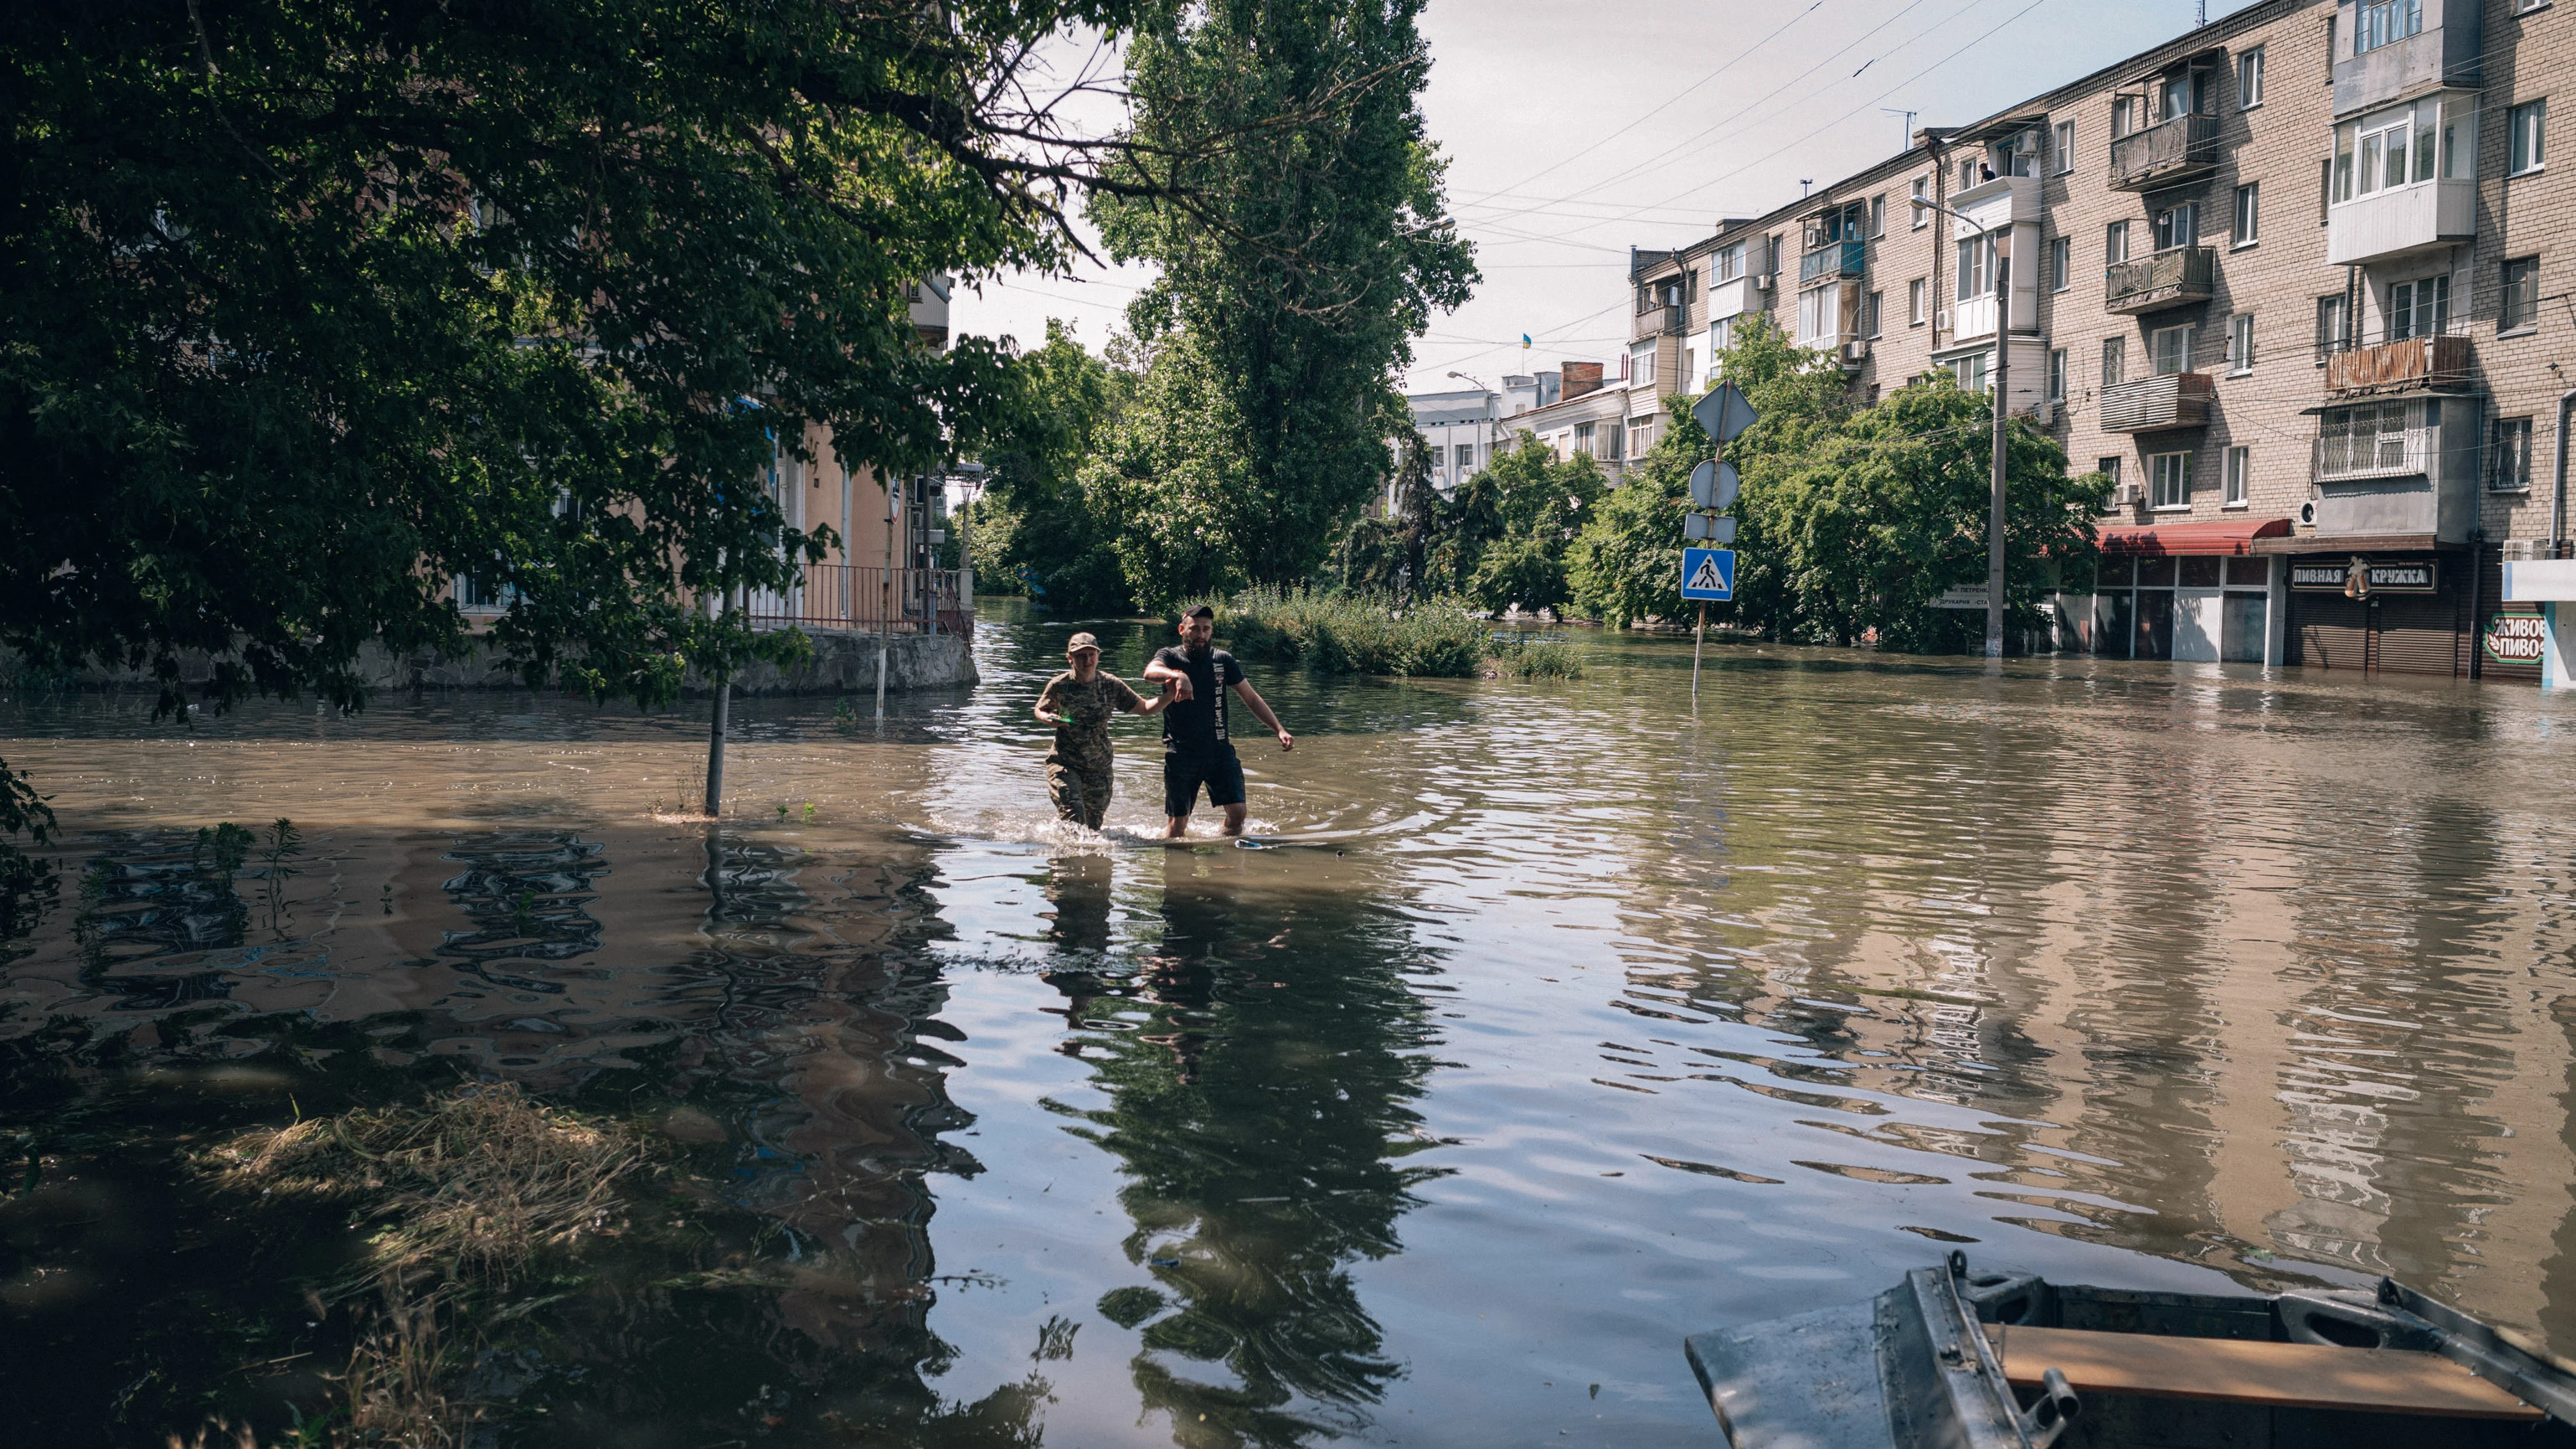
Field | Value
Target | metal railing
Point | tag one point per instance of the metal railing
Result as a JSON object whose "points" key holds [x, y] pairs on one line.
{"points": [[2174, 400], [2166, 149], [2175, 276], [2354, 448], [868, 600], [1833, 259]]}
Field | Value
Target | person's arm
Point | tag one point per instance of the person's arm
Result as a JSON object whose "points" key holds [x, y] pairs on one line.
{"points": [[1138, 704], [1260, 708], [1175, 682], [1050, 707]]}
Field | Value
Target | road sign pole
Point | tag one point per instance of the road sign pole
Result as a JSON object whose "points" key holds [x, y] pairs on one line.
{"points": [[1699, 637], [1995, 499]]}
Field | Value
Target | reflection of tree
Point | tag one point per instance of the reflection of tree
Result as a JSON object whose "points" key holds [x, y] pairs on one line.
{"points": [[1258, 1114]]}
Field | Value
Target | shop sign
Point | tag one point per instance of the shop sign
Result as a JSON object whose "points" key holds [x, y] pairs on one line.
{"points": [[2385, 577], [2514, 638]]}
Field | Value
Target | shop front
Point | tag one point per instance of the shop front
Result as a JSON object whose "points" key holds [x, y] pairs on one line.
{"points": [[2182, 591], [2541, 595], [2396, 605]]}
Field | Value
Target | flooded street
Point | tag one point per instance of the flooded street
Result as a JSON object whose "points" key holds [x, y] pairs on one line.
{"points": [[1560, 1021]]}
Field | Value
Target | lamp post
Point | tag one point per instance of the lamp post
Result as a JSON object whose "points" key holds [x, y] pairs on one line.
{"points": [[2002, 371]]}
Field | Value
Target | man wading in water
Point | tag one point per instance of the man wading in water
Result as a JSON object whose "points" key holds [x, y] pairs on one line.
{"points": [[1079, 703], [1196, 748]]}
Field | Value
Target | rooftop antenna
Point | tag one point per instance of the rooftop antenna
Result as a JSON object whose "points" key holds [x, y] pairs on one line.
{"points": [[1804, 186], [1908, 138], [2203, 12]]}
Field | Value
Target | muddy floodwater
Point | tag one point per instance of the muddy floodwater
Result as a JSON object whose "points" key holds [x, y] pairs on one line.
{"points": [[1558, 1021]]}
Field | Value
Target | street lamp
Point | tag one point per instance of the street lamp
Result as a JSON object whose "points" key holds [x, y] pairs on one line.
{"points": [[2003, 353]]}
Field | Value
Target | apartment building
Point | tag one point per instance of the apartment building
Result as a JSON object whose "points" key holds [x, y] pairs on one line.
{"points": [[2290, 278]]}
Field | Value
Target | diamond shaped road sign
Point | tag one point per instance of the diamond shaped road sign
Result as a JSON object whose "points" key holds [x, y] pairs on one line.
{"points": [[1713, 486], [1724, 413]]}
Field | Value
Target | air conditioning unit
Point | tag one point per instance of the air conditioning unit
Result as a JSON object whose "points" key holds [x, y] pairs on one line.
{"points": [[1854, 353], [2529, 550], [2129, 495]]}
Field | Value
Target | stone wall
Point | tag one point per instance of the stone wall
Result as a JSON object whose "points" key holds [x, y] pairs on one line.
{"points": [[842, 663]]}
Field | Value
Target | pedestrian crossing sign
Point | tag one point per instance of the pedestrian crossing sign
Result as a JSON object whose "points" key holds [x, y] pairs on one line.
{"points": [[1708, 575]]}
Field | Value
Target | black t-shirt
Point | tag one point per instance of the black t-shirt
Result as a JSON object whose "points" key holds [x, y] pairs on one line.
{"points": [[1198, 724]]}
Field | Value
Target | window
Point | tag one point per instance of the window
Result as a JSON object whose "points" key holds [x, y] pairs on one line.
{"points": [[2057, 375], [2065, 153], [1976, 258], [1729, 262], [2240, 462], [1869, 315], [1466, 454], [1915, 301], [2170, 350], [2363, 440], [2249, 213], [2169, 480], [2061, 264], [2249, 79], [2334, 331], [2420, 308], [2240, 342], [1690, 367], [2108, 468], [1922, 192], [2386, 22], [2406, 145], [1971, 372], [2115, 243], [1583, 440], [2178, 226], [2115, 360], [1968, 173], [1878, 215], [1721, 336], [2527, 135], [2181, 96], [2512, 456], [2520, 306], [1641, 436], [1641, 364], [2124, 115]]}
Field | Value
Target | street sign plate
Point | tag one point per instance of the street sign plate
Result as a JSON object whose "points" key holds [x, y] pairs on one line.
{"points": [[1714, 486], [1972, 596], [1723, 413], [1708, 528], [1708, 575]]}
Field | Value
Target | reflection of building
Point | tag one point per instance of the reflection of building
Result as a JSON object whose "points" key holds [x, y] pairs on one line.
{"points": [[2296, 323]]}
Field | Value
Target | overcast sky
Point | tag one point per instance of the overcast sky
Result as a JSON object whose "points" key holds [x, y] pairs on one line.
{"points": [[1577, 130]]}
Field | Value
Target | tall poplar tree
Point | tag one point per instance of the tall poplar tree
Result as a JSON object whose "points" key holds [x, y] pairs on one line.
{"points": [[1313, 248]]}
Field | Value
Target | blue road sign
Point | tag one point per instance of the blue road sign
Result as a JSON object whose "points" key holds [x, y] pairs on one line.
{"points": [[1708, 575]]}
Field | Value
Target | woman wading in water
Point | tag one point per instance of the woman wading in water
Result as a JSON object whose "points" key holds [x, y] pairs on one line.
{"points": [[1078, 703]]}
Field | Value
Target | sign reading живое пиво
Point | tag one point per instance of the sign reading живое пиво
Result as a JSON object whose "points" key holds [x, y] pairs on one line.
{"points": [[2513, 638]]}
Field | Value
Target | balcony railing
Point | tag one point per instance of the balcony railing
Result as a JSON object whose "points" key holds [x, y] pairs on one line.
{"points": [[2165, 153], [2174, 278], [2444, 363], [1833, 259], [1666, 321], [868, 600], [2375, 453], [2175, 400]]}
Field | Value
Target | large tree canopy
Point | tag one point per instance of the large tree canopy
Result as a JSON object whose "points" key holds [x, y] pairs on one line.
{"points": [[306, 308], [1286, 303]]}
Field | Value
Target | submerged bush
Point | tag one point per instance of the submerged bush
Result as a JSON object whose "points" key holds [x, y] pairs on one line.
{"points": [[1367, 634]]}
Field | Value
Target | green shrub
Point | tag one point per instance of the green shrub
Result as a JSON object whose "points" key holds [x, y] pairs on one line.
{"points": [[1366, 634]]}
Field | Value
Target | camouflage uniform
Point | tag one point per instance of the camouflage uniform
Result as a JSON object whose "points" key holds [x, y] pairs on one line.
{"points": [[1078, 768]]}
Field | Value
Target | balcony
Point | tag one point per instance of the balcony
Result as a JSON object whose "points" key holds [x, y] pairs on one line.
{"points": [[2175, 400], [2343, 455], [2444, 53], [2165, 154], [2402, 219], [2176, 277], [2413, 364], [1991, 205], [1660, 321], [1832, 260], [2377, 506], [1733, 298]]}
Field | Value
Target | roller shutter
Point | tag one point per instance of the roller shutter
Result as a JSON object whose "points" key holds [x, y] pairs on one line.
{"points": [[2491, 604], [2418, 635], [2334, 632]]}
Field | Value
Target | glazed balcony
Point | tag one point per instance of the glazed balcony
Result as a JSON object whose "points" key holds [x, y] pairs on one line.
{"points": [[2176, 277], [2446, 52], [2343, 456], [2400, 221], [2412, 364], [2165, 154], [2175, 400], [1833, 260]]}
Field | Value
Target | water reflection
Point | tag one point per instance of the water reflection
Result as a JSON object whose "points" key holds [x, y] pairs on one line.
{"points": [[1262, 1062]]}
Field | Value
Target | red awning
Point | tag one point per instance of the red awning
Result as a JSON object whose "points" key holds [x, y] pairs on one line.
{"points": [[2223, 536]]}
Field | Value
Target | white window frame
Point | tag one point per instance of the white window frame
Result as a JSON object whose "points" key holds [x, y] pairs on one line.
{"points": [[2426, 311], [2512, 470], [2506, 272], [2176, 226], [2240, 468], [1922, 191], [2377, 24], [2064, 140], [2527, 137], [2249, 78], [1878, 215], [2240, 344], [2115, 242], [1984, 365], [1641, 364], [2057, 374], [2169, 482], [2159, 351], [2249, 215], [1728, 264], [1918, 301], [2061, 263], [1975, 256], [1873, 310]]}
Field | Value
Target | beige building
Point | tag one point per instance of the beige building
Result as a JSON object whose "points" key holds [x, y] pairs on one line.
{"points": [[2290, 278]]}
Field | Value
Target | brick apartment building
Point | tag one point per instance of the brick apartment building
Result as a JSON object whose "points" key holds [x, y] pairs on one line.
{"points": [[2295, 280]]}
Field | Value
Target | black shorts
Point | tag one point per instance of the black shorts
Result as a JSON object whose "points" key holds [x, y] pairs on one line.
{"points": [[1184, 771]]}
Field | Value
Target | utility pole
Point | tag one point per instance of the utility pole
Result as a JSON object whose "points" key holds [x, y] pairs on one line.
{"points": [[1995, 505], [716, 731]]}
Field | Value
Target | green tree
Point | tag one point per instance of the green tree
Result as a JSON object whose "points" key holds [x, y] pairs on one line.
{"points": [[1033, 524], [1508, 534], [1288, 298]]}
